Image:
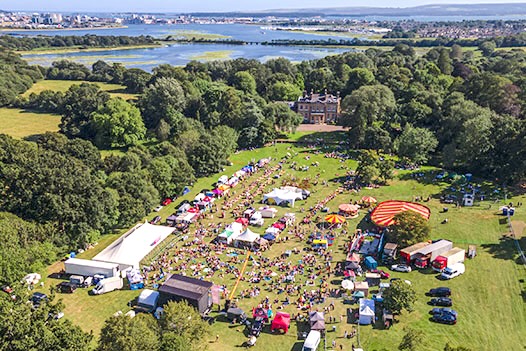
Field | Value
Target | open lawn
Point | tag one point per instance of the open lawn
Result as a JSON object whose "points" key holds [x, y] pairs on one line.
{"points": [[489, 297], [20, 124], [115, 90]]}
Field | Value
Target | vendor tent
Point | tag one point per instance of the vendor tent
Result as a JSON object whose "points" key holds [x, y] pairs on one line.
{"points": [[281, 322], [230, 233], [362, 286], [268, 212], [128, 250], [366, 314], [246, 240], [280, 196], [223, 179], [316, 320]]}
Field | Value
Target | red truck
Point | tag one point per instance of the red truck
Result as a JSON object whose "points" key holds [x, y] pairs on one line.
{"points": [[428, 254], [448, 259]]}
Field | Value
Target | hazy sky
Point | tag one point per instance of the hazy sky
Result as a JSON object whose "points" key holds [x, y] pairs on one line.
{"points": [[210, 5]]}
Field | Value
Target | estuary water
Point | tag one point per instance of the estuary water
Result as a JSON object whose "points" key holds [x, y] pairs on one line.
{"points": [[180, 54]]}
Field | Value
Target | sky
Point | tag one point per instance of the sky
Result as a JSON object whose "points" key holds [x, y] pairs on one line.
{"points": [[210, 5]]}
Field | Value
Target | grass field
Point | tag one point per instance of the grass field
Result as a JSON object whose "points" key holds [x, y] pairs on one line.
{"points": [[20, 124], [489, 296], [115, 90]]}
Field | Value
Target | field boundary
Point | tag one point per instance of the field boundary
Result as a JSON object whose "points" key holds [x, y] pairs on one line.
{"points": [[519, 248]]}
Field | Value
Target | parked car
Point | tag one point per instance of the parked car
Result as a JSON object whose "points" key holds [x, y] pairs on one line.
{"points": [[453, 271], [443, 310], [441, 301], [167, 201], [67, 287], [158, 208], [383, 274], [440, 292], [155, 220], [444, 318], [401, 268], [37, 299]]}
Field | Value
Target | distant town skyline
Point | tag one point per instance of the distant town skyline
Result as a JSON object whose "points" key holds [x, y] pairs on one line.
{"points": [[178, 6]]}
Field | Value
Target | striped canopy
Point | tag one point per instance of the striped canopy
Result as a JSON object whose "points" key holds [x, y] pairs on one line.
{"points": [[334, 219], [369, 199], [384, 213], [348, 208]]}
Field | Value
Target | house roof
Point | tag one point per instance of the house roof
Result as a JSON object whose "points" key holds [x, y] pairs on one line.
{"points": [[319, 98], [190, 288]]}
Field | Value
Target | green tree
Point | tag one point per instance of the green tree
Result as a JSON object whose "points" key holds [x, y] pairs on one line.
{"points": [[409, 228], [118, 124], [24, 328], [444, 62], [386, 169], [359, 77], [284, 91], [245, 82], [399, 296], [365, 106], [487, 47], [412, 340], [183, 320], [416, 144], [80, 101], [136, 80], [164, 100], [367, 169], [132, 334]]}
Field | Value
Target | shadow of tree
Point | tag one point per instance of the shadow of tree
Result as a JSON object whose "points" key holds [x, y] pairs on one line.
{"points": [[505, 249]]}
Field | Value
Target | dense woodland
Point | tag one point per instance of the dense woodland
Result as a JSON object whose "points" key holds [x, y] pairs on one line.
{"points": [[449, 108]]}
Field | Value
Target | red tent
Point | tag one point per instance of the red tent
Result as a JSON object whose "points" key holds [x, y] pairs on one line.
{"points": [[243, 221], [279, 225], [193, 210], [281, 321]]}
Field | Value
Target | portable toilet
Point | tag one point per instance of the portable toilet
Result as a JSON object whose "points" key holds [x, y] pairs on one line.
{"points": [[468, 199], [370, 263]]}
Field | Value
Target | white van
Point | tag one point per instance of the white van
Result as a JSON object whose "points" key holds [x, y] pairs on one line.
{"points": [[312, 341], [453, 271]]}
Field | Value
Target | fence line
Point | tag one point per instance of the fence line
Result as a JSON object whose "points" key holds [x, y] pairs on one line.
{"points": [[519, 248]]}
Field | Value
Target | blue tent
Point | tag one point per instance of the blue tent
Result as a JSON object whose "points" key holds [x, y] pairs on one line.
{"points": [[370, 263], [186, 190], [269, 237]]}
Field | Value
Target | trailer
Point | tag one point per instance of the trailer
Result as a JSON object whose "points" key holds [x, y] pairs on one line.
{"points": [[427, 254], [88, 268], [448, 259], [410, 253], [389, 253]]}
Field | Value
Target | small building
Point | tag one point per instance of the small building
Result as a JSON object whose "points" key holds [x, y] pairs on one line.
{"points": [[196, 292], [319, 108]]}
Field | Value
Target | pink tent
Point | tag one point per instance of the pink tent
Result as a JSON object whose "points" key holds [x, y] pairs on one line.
{"points": [[281, 322]]}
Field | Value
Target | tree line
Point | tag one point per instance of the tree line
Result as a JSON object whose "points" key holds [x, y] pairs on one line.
{"points": [[27, 43]]}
